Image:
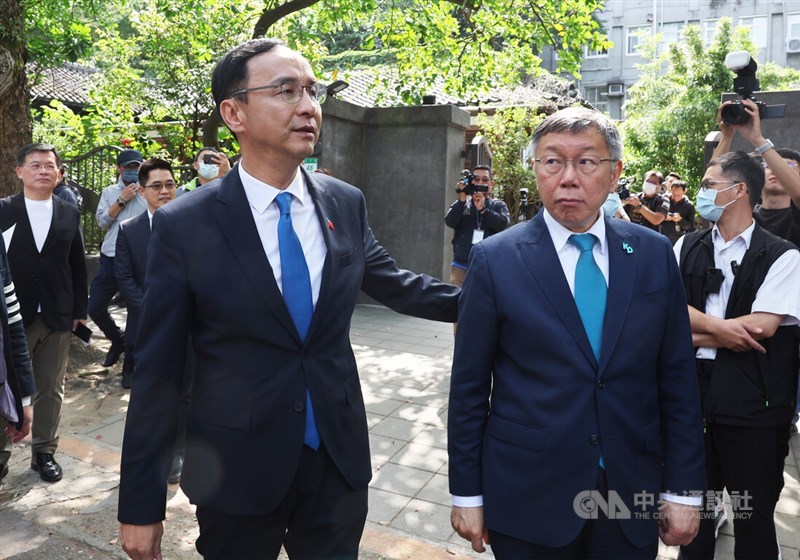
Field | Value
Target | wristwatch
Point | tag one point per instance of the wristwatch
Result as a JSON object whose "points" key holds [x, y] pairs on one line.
{"points": [[768, 145], [122, 202]]}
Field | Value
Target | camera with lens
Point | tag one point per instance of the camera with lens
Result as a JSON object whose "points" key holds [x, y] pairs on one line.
{"points": [[467, 184], [745, 84], [623, 189]]}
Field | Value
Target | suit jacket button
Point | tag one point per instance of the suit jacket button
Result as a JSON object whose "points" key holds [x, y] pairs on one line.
{"points": [[601, 383], [594, 439], [299, 406]]}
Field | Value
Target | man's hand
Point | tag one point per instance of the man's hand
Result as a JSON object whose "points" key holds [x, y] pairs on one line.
{"points": [[468, 523], [736, 335], [14, 435], [76, 322], [479, 200], [751, 130], [677, 523], [129, 192], [223, 162], [141, 542]]}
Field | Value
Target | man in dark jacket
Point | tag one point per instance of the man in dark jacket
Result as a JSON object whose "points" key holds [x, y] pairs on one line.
{"points": [[473, 217]]}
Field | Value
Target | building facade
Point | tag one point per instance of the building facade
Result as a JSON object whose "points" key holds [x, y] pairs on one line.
{"points": [[606, 76]]}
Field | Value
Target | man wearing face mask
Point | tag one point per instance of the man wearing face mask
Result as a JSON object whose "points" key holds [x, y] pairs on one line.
{"points": [[118, 202], [744, 328], [210, 164], [648, 208]]}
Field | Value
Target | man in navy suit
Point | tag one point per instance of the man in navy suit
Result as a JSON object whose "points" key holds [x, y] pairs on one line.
{"points": [[157, 185], [569, 425], [277, 446]]}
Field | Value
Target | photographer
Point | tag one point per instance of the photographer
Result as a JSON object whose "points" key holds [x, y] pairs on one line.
{"points": [[680, 219], [210, 164], [473, 216], [648, 208]]}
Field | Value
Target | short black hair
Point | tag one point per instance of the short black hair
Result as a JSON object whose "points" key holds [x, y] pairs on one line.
{"points": [[150, 165], [673, 174], [740, 166], [485, 168], [788, 153], [230, 73], [37, 147], [679, 184], [206, 149]]}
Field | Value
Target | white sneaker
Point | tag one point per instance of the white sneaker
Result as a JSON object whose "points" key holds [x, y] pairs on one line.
{"points": [[720, 516]]}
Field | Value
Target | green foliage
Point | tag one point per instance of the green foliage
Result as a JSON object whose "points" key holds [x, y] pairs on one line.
{"points": [[674, 103], [508, 132]]}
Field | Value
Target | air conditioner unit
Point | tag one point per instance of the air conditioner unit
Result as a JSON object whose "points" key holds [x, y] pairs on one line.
{"points": [[793, 45], [616, 90]]}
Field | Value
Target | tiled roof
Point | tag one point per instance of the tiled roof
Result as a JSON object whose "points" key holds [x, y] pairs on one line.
{"points": [[368, 89], [69, 83]]}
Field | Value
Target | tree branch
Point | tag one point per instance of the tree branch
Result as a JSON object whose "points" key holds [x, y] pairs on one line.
{"points": [[270, 17]]}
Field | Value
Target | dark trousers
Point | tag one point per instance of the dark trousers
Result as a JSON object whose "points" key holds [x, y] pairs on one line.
{"points": [[104, 287], [321, 517], [600, 538], [749, 463]]}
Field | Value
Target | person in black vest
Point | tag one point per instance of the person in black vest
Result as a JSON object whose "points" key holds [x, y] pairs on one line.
{"points": [[648, 208], [744, 326]]}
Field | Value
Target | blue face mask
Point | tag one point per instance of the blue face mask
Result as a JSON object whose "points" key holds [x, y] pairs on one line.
{"points": [[612, 205], [130, 176], [707, 206]]}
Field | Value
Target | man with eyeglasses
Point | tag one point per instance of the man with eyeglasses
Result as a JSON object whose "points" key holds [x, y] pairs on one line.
{"points": [[278, 448], [46, 258], [557, 405], [744, 306], [473, 217], [118, 202]]}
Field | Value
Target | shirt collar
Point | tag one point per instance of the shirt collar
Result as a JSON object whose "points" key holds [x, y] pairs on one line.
{"points": [[560, 235], [260, 194], [746, 236]]}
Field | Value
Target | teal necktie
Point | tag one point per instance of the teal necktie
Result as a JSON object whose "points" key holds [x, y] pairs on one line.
{"points": [[296, 283], [590, 295], [590, 291]]}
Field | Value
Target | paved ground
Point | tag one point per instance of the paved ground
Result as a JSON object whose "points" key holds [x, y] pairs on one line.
{"points": [[404, 364]]}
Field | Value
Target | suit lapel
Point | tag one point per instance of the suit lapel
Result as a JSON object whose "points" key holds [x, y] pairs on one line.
{"points": [[23, 233], [232, 212], [328, 215], [539, 254], [623, 264]]}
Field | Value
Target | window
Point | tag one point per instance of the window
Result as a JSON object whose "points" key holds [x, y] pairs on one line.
{"points": [[758, 29], [596, 95], [590, 53], [792, 26], [633, 37], [709, 30], [671, 33]]}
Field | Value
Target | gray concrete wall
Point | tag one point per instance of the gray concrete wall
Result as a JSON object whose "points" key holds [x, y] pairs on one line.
{"points": [[406, 160]]}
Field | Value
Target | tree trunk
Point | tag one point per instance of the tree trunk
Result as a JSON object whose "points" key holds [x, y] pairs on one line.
{"points": [[15, 119], [210, 128]]}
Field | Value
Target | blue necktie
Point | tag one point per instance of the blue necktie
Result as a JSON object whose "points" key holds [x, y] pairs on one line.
{"points": [[296, 283], [590, 295], [590, 291]]}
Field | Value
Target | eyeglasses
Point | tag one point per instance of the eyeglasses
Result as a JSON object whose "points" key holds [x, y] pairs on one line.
{"points": [[586, 165], [36, 167], [292, 91], [705, 184], [169, 185]]}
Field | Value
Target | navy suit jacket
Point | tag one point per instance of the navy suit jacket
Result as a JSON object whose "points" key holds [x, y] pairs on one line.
{"points": [[207, 275], [530, 407], [130, 260]]}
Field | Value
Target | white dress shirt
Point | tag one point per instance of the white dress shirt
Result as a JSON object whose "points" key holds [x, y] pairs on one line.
{"points": [[305, 222]]}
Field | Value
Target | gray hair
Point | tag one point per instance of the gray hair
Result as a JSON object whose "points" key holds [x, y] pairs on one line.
{"points": [[575, 120]]}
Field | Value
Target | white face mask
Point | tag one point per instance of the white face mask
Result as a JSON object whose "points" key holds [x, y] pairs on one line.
{"points": [[649, 188], [208, 170]]}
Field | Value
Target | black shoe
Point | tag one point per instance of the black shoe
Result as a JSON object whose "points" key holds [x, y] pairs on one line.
{"points": [[116, 350], [46, 466], [127, 377], [3, 472], [176, 470]]}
